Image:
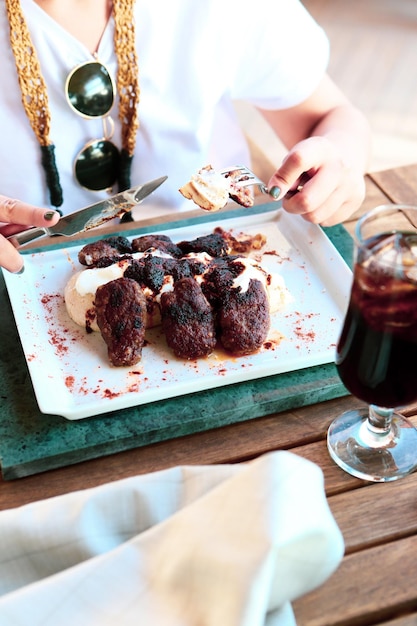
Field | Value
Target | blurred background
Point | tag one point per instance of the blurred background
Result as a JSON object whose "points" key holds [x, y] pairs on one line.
{"points": [[374, 61]]}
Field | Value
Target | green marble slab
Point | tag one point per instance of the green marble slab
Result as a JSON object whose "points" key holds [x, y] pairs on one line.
{"points": [[32, 442]]}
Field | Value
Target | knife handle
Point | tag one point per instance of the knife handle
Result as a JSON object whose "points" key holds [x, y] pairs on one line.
{"points": [[26, 236]]}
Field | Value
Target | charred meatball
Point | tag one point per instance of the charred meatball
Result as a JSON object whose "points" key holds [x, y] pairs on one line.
{"points": [[243, 318], [213, 244], [121, 317], [104, 252], [160, 242], [187, 320]]}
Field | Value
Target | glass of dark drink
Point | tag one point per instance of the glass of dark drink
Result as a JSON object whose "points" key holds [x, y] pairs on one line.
{"points": [[376, 355]]}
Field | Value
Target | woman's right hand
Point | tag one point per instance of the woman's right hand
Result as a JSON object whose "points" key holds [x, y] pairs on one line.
{"points": [[16, 216]]}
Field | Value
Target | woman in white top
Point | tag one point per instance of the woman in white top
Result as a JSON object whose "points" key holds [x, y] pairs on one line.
{"points": [[190, 60]]}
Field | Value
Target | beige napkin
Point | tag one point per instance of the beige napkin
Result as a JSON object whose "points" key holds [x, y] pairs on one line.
{"points": [[226, 545]]}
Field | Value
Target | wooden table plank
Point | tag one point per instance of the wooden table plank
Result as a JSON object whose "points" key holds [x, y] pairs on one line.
{"points": [[408, 620], [399, 184], [365, 519], [371, 585]]}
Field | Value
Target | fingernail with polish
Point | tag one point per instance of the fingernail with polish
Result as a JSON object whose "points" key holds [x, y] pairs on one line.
{"points": [[22, 269], [49, 215], [274, 192]]}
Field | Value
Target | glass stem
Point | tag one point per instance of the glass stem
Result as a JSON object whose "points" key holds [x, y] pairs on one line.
{"points": [[379, 419]]}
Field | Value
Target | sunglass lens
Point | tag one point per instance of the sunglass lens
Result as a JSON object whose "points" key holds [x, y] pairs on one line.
{"points": [[97, 166], [90, 90]]}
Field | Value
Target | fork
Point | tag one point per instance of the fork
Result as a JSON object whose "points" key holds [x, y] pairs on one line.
{"points": [[245, 177]]}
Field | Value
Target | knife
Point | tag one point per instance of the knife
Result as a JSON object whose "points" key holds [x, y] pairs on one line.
{"points": [[92, 216]]}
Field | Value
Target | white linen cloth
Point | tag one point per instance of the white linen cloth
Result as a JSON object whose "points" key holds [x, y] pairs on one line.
{"points": [[227, 545]]}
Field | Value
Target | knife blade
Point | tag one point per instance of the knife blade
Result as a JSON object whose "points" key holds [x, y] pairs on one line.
{"points": [[91, 216]]}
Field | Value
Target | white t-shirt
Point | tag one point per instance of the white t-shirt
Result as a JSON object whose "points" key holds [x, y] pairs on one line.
{"points": [[194, 58]]}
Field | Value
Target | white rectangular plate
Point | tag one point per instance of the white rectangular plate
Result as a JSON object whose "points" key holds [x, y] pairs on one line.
{"points": [[70, 371]]}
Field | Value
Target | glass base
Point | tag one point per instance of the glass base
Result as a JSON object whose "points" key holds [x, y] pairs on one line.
{"points": [[371, 455]]}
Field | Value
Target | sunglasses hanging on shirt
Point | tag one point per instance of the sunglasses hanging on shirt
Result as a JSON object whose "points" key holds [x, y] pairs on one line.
{"points": [[90, 91]]}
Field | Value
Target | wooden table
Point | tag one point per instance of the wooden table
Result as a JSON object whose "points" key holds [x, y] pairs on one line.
{"points": [[376, 582]]}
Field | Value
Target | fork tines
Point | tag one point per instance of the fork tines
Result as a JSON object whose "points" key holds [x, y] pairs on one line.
{"points": [[243, 176]]}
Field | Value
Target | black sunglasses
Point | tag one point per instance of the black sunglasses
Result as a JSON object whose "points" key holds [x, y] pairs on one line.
{"points": [[90, 92]]}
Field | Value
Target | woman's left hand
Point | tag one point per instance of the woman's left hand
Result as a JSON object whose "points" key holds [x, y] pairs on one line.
{"points": [[15, 216]]}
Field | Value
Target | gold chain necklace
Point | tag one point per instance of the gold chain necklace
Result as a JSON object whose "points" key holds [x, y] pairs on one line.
{"points": [[35, 95]]}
